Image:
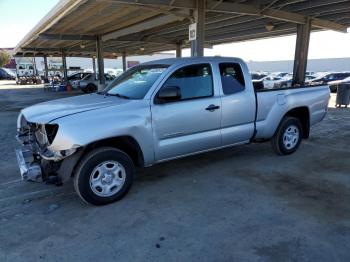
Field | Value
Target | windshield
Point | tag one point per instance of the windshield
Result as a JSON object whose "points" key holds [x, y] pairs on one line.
{"points": [[135, 83], [9, 71]]}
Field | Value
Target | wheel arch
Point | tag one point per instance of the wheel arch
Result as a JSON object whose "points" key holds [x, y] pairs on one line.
{"points": [[303, 114], [127, 144]]}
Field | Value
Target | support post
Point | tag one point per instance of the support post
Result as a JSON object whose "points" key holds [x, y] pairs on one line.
{"points": [[178, 50], [35, 71], [124, 61], [100, 64], [94, 66], [197, 46], [301, 52], [64, 64], [46, 68]]}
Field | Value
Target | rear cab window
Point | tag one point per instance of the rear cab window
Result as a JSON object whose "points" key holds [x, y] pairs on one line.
{"points": [[232, 79]]}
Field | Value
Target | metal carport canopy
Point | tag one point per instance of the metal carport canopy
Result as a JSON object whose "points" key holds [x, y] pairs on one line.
{"points": [[138, 27]]}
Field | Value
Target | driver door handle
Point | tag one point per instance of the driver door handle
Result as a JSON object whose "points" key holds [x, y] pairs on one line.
{"points": [[212, 108]]}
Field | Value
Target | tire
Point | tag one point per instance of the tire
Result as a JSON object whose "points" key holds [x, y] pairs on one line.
{"points": [[287, 137], [104, 175], [90, 88]]}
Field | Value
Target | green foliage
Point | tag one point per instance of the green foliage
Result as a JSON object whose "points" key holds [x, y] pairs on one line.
{"points": [[4, 58]]}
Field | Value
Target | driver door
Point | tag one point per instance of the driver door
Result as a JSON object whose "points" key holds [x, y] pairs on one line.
{"points": [[191, 124]]}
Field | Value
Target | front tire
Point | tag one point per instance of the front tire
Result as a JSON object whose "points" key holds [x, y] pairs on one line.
{"points": [[90, 88], [287, 137], [103, 176]]}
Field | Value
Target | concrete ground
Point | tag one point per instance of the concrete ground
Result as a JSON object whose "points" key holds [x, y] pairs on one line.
{"points": [[238, 204]]}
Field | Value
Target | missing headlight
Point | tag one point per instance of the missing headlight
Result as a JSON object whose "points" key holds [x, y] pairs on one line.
{"points": [[51, 131]]}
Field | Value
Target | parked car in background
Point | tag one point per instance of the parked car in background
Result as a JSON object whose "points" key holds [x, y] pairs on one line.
{"points": [[272, 78], [6, 73], [89, 83], [329, 77], [156, 112], [76, 77], [257, 75], [287, 81], [113, 72], [333, 85]]}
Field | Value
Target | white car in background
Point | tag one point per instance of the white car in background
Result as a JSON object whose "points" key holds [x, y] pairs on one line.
{"points": [[287, 81], [270, 80], [89, 83]]}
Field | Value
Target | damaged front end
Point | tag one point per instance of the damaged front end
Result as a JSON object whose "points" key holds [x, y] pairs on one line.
{"points": [[37, 161]]}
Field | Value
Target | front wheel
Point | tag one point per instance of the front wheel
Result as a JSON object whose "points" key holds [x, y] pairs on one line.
{"points": [[287, 137], [103, 176], [90, 88]]}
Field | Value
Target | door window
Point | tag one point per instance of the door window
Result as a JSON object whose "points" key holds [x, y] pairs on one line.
{"points": [[194, 81], [232, 78]]}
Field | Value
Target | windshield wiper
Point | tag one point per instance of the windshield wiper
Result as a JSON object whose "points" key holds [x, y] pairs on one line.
{"points": [[118, 95]]}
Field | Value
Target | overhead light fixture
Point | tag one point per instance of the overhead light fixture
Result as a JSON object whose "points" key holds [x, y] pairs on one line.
{"points": [[142, 49], [114, 54], [269, 27], [82, 46]]}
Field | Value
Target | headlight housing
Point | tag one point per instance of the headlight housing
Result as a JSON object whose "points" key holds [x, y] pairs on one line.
{"points": [[45, 134], [51, 132]]}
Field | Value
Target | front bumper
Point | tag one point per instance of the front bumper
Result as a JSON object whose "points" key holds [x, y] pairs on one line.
{"points": [[30, 170]]}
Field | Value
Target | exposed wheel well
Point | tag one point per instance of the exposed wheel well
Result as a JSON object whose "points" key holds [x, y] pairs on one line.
{"points": [[125, 143], [302, 113]]}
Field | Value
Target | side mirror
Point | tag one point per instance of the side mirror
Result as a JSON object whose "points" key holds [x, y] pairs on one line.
{"points": [[168, 94]]}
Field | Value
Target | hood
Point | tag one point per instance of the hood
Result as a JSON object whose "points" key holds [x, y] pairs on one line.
{"points": [[51, 110]]}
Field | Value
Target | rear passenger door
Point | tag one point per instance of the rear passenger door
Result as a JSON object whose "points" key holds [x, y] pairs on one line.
{"points": [[238, 105], [191, 124]]}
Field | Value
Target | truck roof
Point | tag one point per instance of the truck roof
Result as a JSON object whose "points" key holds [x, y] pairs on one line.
{"points": [[206, 59]]}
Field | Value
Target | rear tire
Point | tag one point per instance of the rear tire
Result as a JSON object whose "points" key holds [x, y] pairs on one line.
{"points": [[287, 137], [103, 176]]}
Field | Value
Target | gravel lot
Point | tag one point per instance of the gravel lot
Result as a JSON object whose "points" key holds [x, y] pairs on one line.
{"points": [[238, 204]]}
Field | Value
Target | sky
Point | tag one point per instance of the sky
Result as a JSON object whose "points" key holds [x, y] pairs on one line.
{"points": [[18, 17]]}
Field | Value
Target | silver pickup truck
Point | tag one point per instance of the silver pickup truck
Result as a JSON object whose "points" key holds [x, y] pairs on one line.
{"points": [[158, 111]]}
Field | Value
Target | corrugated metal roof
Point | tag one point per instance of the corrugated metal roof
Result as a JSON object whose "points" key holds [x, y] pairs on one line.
{"points": [[147, 26]]}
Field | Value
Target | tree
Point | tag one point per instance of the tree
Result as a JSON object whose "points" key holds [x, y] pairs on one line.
{"points": [[4, 58]]}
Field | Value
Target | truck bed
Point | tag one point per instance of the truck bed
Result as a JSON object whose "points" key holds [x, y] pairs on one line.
{"points": [[273, 104]]}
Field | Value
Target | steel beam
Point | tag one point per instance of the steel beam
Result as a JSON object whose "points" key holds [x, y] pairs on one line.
{"points": [[100, 64], [139, 27], [244, 9], [301, 52], [197, 46], [67, 37], [46, 68]]}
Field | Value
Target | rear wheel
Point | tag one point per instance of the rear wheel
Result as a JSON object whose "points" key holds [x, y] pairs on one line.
{"points": [[287, 137], [103, 176]]}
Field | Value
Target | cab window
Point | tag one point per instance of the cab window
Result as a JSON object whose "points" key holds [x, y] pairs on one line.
{"points": [[232, 78], [194, 81]]}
